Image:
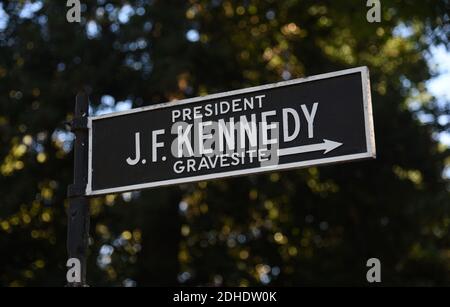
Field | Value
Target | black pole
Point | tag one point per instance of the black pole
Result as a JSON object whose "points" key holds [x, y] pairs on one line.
{"points": [[78, 212]]}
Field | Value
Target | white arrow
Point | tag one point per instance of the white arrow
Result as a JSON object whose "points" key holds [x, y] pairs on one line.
{"points": [[327, 146]]}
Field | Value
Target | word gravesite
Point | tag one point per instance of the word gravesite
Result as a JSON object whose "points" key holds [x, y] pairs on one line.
{"points": [[316, 120]]}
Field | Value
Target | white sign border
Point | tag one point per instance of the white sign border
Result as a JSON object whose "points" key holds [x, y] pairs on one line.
{"points": [[368, 119]]}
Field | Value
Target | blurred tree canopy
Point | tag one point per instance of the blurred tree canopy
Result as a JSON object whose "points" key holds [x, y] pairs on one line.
{"points": [[315, 226]]}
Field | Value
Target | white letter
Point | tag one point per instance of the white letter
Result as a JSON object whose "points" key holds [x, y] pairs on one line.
{"points": [[310, 118], [202, 137], [265, 128], [138, 150], [226, 104], [155, 144], [176, 297], [374, 274], [228, 133], [175, 115], [244, 128], [287, 137], [74, 272], [260, 97], [178, 167], [184, 140], [187, 114], [374, 13], [74, 13]]}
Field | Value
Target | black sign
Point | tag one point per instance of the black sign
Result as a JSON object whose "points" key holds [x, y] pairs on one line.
{"points": [[297, 123]]}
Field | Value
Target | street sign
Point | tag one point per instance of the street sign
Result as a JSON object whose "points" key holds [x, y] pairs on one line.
{"points": [[298, 123]]}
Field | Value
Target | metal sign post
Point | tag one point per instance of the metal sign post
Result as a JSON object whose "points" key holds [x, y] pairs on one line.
{"points": [[78, 212]]}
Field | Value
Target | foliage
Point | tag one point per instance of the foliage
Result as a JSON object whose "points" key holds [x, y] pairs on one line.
{"points": [[301, 227]]}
